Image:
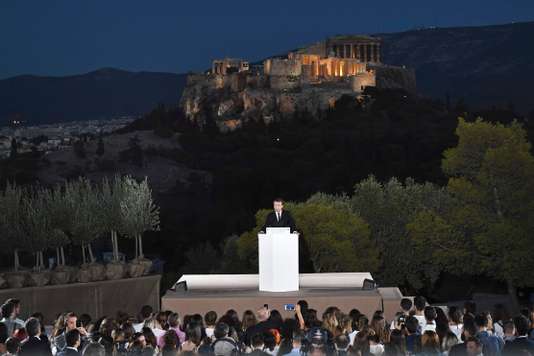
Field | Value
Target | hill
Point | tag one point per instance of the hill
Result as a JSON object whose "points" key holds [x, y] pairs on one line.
{"points": [[488, 65], [100, 94]]}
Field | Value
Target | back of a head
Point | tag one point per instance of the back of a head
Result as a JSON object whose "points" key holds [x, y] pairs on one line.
{"points": [[412, 324], [522, 325], [481, 320], [94, 349], [33, 327], [257, 340], [173, 320], [221, 330], [262, 314], [72, 337], [193, 333], [419, 302], [430, 313], [430, 339], [406, 304], [210, 318], [12, 345], [342, 342], [146, 312]]}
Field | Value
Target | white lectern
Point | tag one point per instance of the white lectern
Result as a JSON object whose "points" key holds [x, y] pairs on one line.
{"points": [[278, 251]]}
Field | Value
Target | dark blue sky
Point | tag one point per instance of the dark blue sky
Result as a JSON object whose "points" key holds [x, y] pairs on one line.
{"points": [[59, 37]]}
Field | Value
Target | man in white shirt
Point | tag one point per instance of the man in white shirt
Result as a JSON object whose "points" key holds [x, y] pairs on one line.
{"points": [[420, 304], [144, 316]]}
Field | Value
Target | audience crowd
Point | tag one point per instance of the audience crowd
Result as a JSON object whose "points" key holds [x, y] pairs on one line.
{"points": [[417, 329]]}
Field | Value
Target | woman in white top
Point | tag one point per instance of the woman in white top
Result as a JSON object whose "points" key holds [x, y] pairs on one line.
{"points": [[456, 322]]}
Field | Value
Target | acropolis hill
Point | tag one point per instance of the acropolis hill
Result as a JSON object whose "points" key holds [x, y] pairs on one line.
{"points": [[309, 79]]}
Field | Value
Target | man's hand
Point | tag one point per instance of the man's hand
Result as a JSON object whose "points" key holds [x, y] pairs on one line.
{"points": [[82, 331]]}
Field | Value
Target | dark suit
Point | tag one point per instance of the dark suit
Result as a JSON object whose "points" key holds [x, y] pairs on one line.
{"points": [[68, 352], [286, 220], [517, 345], [33, 346]]}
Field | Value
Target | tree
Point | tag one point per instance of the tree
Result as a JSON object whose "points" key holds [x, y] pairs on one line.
{"points": [[111, 196], [388, 208], [491, 176], [38, 230], [10, 221], [86, 216], [139, 213], [61, 207]]}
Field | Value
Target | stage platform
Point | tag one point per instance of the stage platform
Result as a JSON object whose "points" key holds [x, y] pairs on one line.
{"points": [[243, 296]]}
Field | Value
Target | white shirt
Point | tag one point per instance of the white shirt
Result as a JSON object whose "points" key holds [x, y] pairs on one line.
{"points": [[427, 327], [138, 327], [421, 319]]}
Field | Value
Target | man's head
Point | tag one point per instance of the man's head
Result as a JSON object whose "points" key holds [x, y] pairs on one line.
{"points": [[342, 342], [470, 307], [72, 338], [221, 330], [420, 303], [33, 327], [481, 321], [70, 321], [406, 305], [278, 204], [522, 325], [473, 346], [257, 341], [412, 324]]}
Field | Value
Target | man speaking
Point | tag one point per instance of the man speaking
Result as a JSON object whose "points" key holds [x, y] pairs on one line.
{"points": [[279, 217]]}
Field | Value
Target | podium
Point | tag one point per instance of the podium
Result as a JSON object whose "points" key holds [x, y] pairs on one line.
{"points": [[278, 256]]}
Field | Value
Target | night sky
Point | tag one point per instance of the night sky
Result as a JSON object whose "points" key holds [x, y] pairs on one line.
{"points": [[52, 37]]}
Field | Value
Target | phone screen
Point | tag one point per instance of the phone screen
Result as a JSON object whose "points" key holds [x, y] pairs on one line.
{"points": [[289, 307]]}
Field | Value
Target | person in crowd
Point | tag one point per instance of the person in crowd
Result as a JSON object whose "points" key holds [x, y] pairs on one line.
{"points": [[123, 338], [275, 319], [448, 341], [491, 344], [430, 344], [500, 316], [137, 348], [174, 324], [93, 349], [430, 315], [210, 320], [17, 311], [469, 331], [231, 318], [342, 344], [34, 345], [456, 321], [264, 324], [171, 344], [271, 341], [473, 346], [70, 322], [420, 304], [378, 325], [73, 342], [521, 342], [404, 312], [223, 345], [376, 347], [12, 347], [297, 340], [7, 310], [249, 320], [257, 345], [413, 337], [144, 315], [397, 343], [151, 348], [193, 338], [509, 331], [361, 343]]}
